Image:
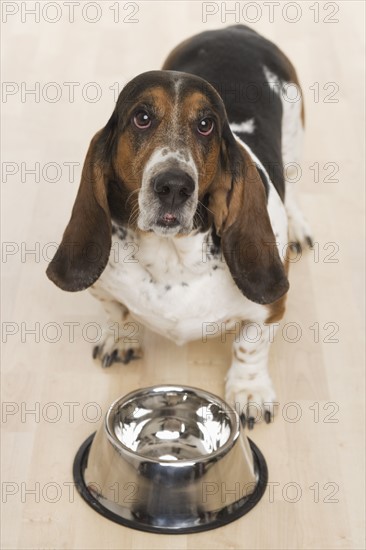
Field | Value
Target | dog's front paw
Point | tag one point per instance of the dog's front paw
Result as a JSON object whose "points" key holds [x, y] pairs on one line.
{"points": [[253, 398], [116, 350]]}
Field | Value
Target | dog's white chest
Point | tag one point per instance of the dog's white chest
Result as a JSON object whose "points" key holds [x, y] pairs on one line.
{"points": [[176, 287]]}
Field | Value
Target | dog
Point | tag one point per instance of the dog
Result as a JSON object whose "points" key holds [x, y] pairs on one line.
{"points": [[183, 215]]}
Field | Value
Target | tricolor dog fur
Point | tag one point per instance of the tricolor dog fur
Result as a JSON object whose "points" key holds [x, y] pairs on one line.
{"points": [[183, 214]]}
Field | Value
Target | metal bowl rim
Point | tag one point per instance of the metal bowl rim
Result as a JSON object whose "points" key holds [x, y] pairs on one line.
{"points": [[234, 433], [80, 462]]}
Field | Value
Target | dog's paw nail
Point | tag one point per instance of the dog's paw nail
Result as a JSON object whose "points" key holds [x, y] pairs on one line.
{"points": [[295, 247], [251, 421], [309, 241], [267, 417], [114, 356], [107, 361], [243, 419], [128, 356], [95, 352]]}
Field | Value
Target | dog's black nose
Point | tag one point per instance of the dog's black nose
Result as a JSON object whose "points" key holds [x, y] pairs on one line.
{"points": [[173, 187]]}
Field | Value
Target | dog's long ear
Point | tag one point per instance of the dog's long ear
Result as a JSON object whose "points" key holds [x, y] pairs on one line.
{"points": [[85, 247], [238, 202]]}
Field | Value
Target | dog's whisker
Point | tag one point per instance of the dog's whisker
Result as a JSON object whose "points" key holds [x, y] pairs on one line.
{"points": [[131, 195], [205, 207], [134, 213]]}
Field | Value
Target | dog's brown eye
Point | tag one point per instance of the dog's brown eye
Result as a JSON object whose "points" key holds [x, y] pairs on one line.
{"points": [[205, 126], [142, 119]]}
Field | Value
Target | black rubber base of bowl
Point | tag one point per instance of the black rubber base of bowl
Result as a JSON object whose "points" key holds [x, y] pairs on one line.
{"points": [[79, 466]]}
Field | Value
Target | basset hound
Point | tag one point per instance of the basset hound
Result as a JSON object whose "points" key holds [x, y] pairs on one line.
{"points": [[183, 215]]}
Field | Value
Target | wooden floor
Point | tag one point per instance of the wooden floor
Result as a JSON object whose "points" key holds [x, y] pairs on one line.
{"points": [[54, 394]]}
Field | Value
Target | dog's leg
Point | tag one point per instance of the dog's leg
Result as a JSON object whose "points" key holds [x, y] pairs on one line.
{"points": [[248, 384], [300, 233], [122, 335]]}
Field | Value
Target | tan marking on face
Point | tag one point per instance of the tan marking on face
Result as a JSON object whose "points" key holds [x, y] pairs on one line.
{"points": [[131, 157], [175, 128], [206, 160]]}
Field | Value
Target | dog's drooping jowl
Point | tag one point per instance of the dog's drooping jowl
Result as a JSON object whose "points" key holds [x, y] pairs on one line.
{"points": [[183, 214]]}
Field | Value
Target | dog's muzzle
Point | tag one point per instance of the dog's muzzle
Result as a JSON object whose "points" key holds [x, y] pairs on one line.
{"points": [[172, 188], [169, 193]]}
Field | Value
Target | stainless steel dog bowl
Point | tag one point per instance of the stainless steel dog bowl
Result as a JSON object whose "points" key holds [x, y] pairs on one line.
{"points": [[170, 459]]}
